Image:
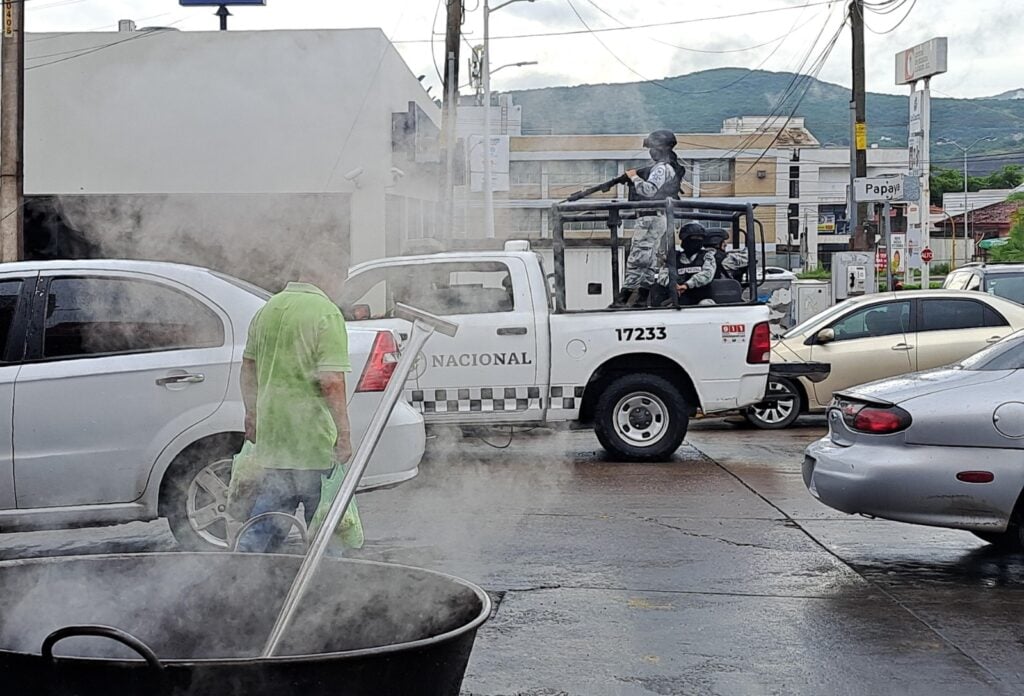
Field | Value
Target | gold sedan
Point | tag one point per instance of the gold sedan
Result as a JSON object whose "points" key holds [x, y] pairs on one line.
{"points": [[881, 335]]}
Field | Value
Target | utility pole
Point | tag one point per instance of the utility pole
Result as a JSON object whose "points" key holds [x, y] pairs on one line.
{"points": [[12, 128], [453, 35], [793, 210], [859, 240]]}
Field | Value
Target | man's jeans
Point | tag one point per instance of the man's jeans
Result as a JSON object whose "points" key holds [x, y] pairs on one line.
{"points": [[281, 490]]}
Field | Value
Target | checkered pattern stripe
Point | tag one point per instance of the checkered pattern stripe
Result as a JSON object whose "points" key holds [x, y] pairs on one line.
{"points": [[492, 399], [566, 397]]}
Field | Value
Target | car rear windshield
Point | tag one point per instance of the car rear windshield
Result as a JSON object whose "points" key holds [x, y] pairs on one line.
{"points": [[1008, 285], [1008, 354], [245, 285]]}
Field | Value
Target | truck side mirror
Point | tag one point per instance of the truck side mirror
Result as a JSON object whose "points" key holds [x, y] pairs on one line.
{"points": [[825, 336]]}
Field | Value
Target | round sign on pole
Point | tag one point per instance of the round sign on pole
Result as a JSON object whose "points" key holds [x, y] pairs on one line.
{"points": [[926, 255]]}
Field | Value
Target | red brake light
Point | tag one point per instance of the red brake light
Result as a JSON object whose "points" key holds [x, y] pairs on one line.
{"points": [[759, 351], [879, 420], [381, 364]]}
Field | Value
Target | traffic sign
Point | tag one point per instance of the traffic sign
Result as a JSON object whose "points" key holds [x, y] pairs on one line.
{"points": [[926, 255], [880, 188]]}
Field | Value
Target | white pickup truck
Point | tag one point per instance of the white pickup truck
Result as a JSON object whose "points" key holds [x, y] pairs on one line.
{"points": [[635, 375]]}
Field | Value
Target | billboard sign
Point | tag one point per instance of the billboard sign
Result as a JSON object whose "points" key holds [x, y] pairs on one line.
{"points": [[499, 153], [921, 61], [211, 3]]}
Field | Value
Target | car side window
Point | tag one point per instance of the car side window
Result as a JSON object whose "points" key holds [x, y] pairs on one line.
{"points": [[957, 281], [949, 315], [108, 316], [974, 283], [885, 319], [366, 295], [471, 287], [10, 293]]}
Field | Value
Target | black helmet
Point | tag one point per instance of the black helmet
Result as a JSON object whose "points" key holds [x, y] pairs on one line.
{"points": [[716, 236], [692, 229], [660, 140]]}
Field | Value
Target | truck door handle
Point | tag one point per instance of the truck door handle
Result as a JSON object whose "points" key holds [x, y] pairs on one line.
{"points": [[512, 331], [194, 378], [902, 346]]}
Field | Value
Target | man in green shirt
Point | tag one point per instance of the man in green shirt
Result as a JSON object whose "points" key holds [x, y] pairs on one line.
{"points": [[296, 413]]}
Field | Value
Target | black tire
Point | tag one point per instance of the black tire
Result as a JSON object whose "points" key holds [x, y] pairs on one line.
{"points": [[654, 418], [1012, 540], [779, 413], [187, 484]]}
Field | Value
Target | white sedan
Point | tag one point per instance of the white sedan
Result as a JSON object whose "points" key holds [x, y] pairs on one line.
{"points": [[119, 385]]}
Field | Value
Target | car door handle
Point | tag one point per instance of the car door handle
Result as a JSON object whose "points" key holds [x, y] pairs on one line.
{"points": [[994, 339], [903, 346], [512, 331], [193, 378]]}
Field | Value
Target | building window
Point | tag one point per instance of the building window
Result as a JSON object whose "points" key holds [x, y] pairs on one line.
{"points": [[524, 173], [715, 171], [525, 222], [580, 172]]}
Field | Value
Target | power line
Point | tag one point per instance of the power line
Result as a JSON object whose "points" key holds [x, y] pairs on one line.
{"points": [[781, 37], [572, 32], [96, 49]]}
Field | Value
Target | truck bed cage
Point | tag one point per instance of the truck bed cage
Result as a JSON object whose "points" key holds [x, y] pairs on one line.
{"points": [[740, 216]]}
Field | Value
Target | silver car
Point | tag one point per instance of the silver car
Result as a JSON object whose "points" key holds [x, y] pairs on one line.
{"points": [[941, 448], [120, 399]]}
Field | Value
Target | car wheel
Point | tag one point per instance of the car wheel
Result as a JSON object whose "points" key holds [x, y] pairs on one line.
{"points": [[781, 411], [641, 417], [194, 498]]}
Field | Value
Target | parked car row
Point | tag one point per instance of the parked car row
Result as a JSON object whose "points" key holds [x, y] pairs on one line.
{"points": [[925, 417], [942, 447], [119, 387], [880, 335]]}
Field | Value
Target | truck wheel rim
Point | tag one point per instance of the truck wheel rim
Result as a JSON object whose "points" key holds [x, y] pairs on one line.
{"points": [[775, 411], [641, 419], [207, 503]]}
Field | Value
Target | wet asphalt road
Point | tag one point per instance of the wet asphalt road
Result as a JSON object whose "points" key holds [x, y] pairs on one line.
{"points": [[716, 573]]}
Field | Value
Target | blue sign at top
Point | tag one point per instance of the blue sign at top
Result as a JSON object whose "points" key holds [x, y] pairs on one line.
{"points": [[213, 3]]}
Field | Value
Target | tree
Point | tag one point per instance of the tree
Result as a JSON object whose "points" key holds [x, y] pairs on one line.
{"points": [[944, 181], [1013, 250], [1009, 177], [952, 181]]}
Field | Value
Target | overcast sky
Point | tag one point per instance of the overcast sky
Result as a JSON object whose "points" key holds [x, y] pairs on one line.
{"points": [[777, 35]]}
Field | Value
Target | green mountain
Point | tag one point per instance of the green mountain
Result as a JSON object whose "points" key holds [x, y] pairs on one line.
{"points": [[699, 102]]}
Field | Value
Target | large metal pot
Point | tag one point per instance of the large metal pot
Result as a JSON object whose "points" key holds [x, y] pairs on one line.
{"points": [[201, 620]]}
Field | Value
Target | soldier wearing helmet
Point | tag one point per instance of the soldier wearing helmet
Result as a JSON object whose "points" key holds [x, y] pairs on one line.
{"points": [[696, 269], [731, 264], [657, 182]]}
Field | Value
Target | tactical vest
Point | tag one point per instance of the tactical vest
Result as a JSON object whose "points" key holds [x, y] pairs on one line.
{"points": [[688, 269], [670, 189]]}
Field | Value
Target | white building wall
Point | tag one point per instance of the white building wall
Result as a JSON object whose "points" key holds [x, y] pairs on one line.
{"points": [[275, 112]]}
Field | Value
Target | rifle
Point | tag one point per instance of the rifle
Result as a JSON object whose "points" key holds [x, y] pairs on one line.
{"points": [[607, 186]]}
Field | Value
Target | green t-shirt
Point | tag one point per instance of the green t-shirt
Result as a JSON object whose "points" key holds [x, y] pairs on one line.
{"points": [[296, 335]]}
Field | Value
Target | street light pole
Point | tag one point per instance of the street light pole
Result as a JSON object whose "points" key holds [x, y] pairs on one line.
{"points": [[965, 150], [486, 77]]}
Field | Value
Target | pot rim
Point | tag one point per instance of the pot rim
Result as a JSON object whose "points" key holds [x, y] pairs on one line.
{"points": [[475, 623]]}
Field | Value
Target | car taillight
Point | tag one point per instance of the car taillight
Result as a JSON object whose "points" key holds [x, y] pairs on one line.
{"points": [[876, 420], [381, 364], [760, 349]]}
